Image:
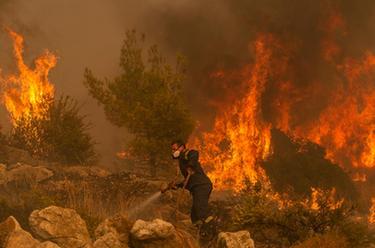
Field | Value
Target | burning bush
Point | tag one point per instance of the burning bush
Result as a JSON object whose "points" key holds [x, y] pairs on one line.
{"points": [[282, 223], [57, 133]]}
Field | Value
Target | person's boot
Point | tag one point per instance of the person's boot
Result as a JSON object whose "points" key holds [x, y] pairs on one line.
{"points": [[209, 219], [208, 229]]}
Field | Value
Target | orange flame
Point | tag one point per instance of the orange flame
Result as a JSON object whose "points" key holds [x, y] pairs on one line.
{"points": [[359, 177], [24, 92], [346, 127], [240, 138]]}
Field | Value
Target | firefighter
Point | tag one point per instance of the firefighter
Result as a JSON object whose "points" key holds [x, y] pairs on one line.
{"points": [[195, 180]]}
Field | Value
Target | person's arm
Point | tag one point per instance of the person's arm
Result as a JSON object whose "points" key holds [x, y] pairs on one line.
{"points": [[193, 158], [186, 180]]}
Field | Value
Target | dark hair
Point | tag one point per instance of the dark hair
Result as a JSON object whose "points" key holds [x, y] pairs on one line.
{"points": [[178, 142]]}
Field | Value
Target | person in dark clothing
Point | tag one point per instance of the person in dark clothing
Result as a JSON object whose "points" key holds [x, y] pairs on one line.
{"points": [[195, 180]]}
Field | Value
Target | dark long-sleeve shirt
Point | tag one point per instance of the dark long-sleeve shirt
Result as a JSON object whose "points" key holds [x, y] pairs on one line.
{"points": [[190, 159]]}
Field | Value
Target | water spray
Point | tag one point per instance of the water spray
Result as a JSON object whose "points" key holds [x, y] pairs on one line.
{"points": [[144, 204], [163, 188]]}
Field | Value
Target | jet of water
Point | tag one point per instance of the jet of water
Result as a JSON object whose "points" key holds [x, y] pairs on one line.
{"points": [[143, 205]]}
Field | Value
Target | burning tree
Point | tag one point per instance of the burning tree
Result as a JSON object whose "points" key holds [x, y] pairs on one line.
{"points": [[47, 127], [58, 133], [23, 93], [145, 98]]}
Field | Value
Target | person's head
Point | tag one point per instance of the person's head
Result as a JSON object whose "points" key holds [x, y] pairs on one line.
{"points": [[177, 147]]}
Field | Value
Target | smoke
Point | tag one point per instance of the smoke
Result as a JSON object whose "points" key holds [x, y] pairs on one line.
{"points": [[217, 34], [214, 35]]}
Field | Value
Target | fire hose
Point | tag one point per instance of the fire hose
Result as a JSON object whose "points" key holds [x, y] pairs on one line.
{"points": [[180, 195], [172, 185], [164, 188]]}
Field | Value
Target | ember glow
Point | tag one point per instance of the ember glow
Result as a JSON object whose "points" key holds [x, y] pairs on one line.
{"points": [[23, 92], [359, 177]]}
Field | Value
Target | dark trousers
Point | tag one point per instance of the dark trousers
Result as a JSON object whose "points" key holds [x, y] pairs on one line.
{"points": [[199, 210]]}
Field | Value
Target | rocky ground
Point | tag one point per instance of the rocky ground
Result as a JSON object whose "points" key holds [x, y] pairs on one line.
{"points": [[46, 205], [54, 227]]}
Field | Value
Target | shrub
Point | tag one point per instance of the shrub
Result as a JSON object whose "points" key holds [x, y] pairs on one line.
{"points": [[282, 223], [328, 240], [56, 132]]}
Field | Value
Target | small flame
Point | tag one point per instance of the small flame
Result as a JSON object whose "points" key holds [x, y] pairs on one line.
{"points": [[330, 199], [24, 92], [371, 216], [359, 177], [123, 155]]}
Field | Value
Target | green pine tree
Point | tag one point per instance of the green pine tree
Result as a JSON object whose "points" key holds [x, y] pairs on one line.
{"points": [[146, 99]]}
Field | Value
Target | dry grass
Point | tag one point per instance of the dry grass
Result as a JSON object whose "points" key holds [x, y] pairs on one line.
{"points": [[328, 240]]}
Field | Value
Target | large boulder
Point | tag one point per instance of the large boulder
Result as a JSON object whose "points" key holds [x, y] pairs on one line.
{"points": [[83, 171], [112, 233], [109, 240], [159, 234], [13, 236], [27, 174], [240, 239], [15, 155], [60, 225]]}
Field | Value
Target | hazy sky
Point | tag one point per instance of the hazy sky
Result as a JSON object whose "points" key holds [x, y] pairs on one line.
{"points": [[85, 33]]}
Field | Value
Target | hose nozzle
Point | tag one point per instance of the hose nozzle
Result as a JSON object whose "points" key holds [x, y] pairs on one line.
{"points": [[164, 187]]}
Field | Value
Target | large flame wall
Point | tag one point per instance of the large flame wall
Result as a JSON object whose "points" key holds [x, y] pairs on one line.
{"points": [[334, 109]]}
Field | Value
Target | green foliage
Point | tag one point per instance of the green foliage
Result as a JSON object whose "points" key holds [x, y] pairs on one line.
{"points": [[57, 132], [145, 98], [282, 225]]}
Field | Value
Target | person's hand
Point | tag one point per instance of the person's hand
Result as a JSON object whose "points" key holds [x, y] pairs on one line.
{"points": [[190, 171], [172, 185], [168, 186]]}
